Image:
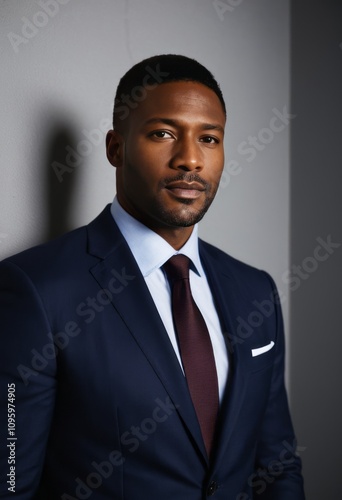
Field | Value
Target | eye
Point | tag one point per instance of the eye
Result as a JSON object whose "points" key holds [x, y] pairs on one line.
{"points": [[208, 139], [161, 134]]}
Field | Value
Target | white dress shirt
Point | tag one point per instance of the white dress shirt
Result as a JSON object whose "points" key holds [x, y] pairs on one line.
{"points": [[151, 251]]}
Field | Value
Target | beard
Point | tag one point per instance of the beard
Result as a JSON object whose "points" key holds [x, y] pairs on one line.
{"points": [[186, 216]]}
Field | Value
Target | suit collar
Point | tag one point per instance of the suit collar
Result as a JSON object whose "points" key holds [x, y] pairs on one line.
{"points": [[104, 236]]}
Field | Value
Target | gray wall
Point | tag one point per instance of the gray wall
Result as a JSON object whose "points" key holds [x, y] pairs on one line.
{"points": [[316, 212]]}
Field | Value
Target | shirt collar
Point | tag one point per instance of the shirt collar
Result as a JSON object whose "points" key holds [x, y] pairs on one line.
{"points": [[149, 249]]}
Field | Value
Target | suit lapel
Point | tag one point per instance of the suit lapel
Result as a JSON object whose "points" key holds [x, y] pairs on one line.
{"points": [[224, 293], [134, 304]]}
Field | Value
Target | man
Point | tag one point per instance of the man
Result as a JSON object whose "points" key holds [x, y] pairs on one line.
{"points": [[131, 375]]}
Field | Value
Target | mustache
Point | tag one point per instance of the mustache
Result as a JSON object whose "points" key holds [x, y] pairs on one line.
{"points": [[186, 177]]}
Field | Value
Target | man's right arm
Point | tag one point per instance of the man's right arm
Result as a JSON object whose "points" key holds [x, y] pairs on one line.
{"points": [[27, 383]]}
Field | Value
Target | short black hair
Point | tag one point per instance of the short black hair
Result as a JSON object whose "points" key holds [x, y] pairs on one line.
{"points": [[159, 69]]}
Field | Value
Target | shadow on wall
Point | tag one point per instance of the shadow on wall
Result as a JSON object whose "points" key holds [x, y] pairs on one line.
{"points": [[61, 179]]}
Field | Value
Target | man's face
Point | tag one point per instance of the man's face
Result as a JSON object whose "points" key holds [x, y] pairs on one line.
{"points": [[171, 155]]}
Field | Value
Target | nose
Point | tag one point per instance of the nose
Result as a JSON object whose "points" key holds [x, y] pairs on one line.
{"points": [[187, 155]]}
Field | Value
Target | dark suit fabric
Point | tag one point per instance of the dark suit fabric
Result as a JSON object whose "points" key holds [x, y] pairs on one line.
{"points": [[102, 406]]}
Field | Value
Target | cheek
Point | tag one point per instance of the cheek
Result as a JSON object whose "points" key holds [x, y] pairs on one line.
{"points": [[138, 176], [145, 163], [215, 170]]}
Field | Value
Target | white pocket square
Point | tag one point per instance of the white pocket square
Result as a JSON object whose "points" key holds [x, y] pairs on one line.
{"points": [[262, 350]]}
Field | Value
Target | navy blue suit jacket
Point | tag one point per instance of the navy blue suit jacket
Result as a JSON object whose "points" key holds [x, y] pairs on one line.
{"points": [[102, 409]]}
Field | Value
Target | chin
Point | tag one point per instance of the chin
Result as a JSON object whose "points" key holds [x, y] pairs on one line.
{"points": [[183, 218]]}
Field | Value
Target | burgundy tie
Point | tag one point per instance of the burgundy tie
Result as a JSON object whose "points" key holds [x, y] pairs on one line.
{"points": [[195, 347]]}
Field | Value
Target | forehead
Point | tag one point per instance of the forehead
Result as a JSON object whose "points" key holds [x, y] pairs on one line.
{"points": [[179, 100]]}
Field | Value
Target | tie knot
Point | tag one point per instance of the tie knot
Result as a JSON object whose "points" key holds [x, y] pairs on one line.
{"points": [[177, 268]]}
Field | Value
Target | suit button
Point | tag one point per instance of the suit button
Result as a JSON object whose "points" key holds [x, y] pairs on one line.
{"points": [[212, 488]]}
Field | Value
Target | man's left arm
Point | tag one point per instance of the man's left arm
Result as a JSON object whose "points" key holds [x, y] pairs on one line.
{"points": [[278, 467]]}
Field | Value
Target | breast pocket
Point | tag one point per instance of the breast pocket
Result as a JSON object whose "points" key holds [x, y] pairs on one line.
{"points": [[262, 356]]}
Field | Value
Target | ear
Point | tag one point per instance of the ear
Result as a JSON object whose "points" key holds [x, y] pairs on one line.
{"points": [[115, 148]]}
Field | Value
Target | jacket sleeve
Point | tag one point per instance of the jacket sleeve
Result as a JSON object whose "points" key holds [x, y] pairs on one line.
{"points": [[278, 467], [27, 384]]}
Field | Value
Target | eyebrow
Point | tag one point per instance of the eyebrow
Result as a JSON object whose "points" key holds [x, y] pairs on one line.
{"points": [[175, 123]]}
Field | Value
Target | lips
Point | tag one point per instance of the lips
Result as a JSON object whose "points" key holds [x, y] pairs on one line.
{"points": [[185, 190], [185, 185]]}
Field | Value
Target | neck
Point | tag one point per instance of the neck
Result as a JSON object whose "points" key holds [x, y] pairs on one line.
{"points": [[176, 237]]}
